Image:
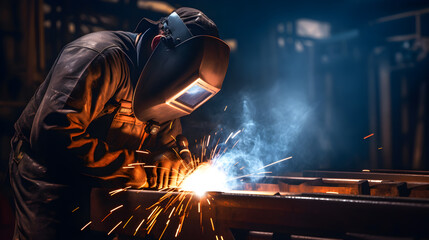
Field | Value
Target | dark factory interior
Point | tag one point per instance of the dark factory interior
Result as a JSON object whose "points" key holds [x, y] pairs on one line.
{"points": [[334, 92]]}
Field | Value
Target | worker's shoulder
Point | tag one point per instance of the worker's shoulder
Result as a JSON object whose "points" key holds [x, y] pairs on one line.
{"points": [[105, 40]]}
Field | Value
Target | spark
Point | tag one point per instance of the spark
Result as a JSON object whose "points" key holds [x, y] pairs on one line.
{"points": [[281, 160], [149, 166], [235, 144], [118, 190], [211, 220], [86, 225], [188, 202], [177, 231], [106, 216], [181, 223], [199, 206], [208, 201], [152, 212], [241, 168], [235, 134], [143, 151], [137, 207], [225, 108], [208, 141], [380, 148], [127, 221], [171, 212], [128, 167], [221, 237], [136, 164], [228, 137], [184, 150], [114, 227], [370, 135], [151, 226], [166, 225], [139, 227], [217, 238], [181, 208], [171, 124], [116, 208], [74, 210]]}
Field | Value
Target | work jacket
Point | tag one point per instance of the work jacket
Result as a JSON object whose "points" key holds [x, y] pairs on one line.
{"points": [[79, 131]]}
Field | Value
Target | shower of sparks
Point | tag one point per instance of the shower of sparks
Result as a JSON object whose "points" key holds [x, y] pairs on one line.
{"points": [[205, 178], [370, 135], [206, 172]]}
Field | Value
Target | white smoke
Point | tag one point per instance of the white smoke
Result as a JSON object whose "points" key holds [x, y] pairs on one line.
{"points": [[270, 126]]}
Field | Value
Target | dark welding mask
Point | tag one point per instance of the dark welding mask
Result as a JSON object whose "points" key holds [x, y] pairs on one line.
{"points": [[183, 72]]}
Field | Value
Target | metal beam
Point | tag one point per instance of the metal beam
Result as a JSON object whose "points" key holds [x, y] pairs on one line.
{"points": [[305, 214]]}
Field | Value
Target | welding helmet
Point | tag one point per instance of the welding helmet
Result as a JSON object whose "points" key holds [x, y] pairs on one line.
{"points": [[183, 72]]}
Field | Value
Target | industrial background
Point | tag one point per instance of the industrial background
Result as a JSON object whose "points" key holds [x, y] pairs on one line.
{"points": [[337, 84]]}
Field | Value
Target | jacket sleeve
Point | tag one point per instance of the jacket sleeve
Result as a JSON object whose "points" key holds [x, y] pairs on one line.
{"points": [[81, 83]]}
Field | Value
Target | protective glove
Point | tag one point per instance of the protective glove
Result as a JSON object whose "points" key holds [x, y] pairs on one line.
{"points": [[170, 166], [167, 168], [138, 178]]}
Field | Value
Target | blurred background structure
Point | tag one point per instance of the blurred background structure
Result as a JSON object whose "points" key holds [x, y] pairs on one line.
{"points": [[338, 85]]}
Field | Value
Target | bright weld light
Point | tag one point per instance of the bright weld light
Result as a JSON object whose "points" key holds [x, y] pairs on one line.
{"points": [[204, 179]]}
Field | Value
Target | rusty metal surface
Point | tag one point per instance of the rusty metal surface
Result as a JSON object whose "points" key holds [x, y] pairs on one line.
{"points": [[310, 214]]}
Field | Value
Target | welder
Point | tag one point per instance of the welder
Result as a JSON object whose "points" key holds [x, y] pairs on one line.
{"points": [[107, 115]]}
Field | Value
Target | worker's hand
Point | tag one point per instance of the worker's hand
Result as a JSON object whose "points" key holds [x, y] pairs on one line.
{"points": [[138, 178], [168, 171]]}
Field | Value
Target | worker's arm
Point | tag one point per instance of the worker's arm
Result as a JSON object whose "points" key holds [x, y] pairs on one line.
{"points": [[81, 83]]}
